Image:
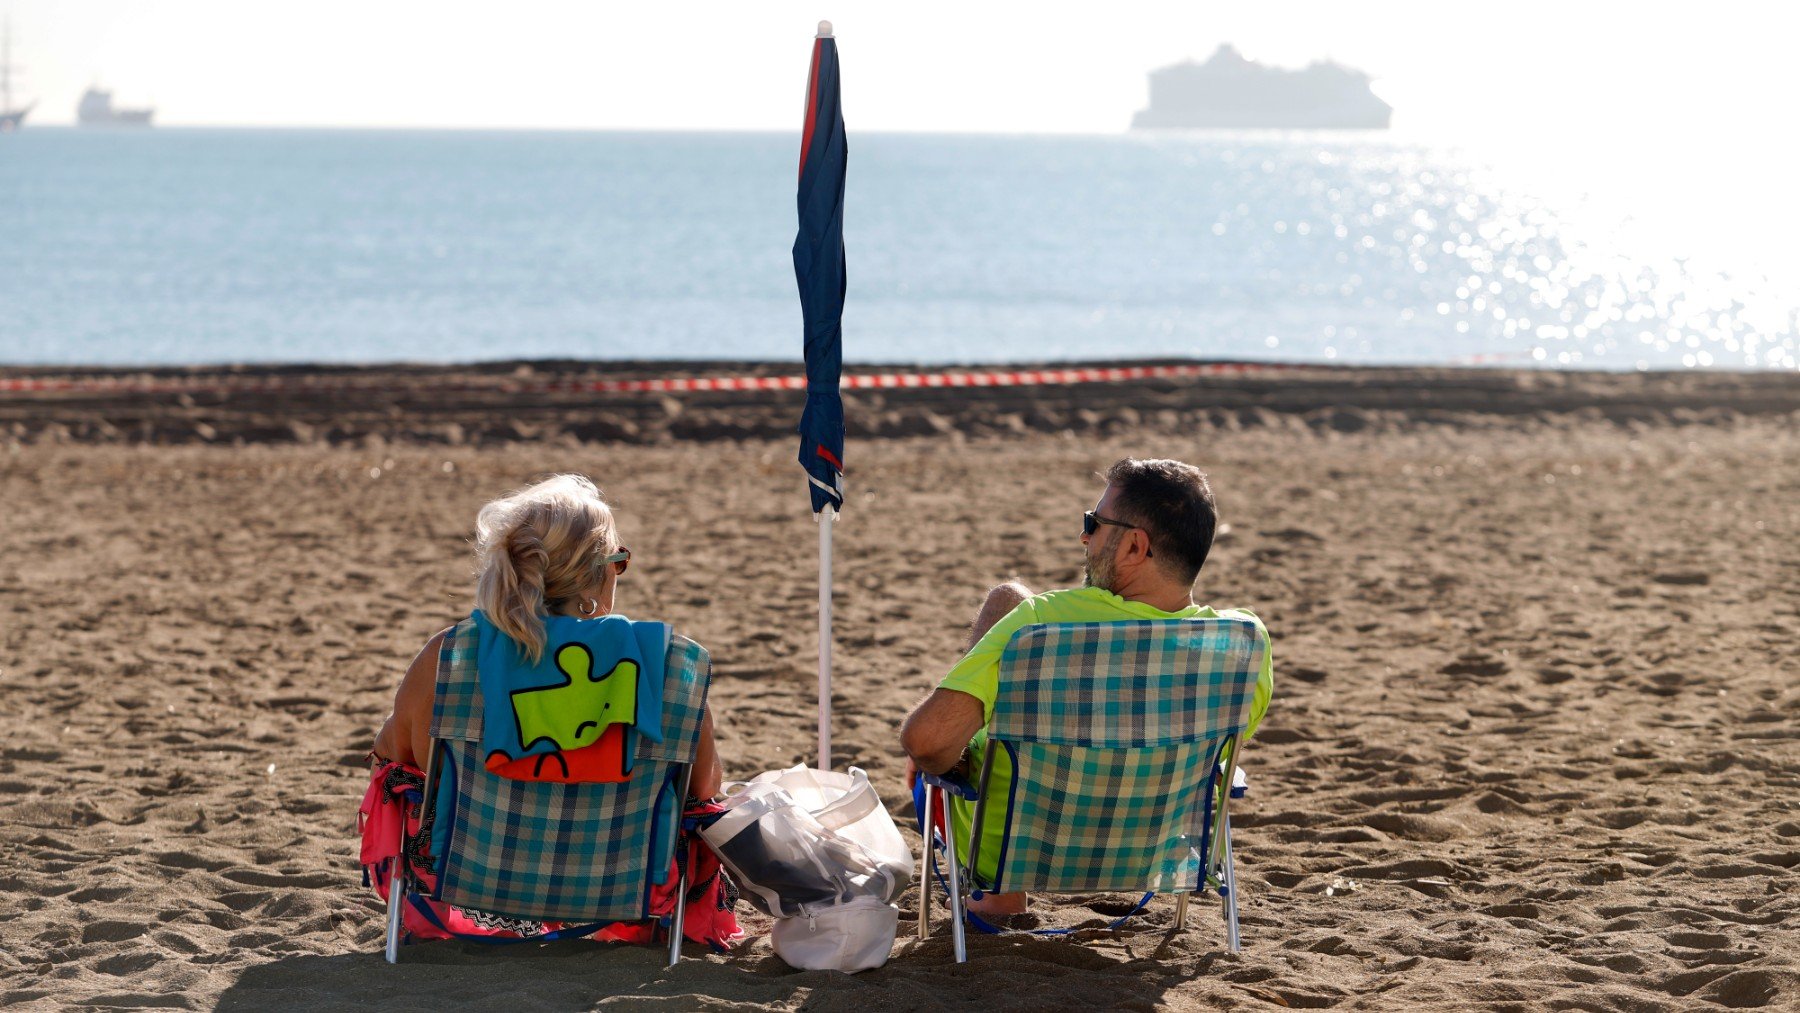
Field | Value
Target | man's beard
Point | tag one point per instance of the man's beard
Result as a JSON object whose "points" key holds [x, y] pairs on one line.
{"points": [[1098, 572]]}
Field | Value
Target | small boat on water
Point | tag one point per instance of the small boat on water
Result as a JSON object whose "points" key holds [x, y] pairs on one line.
{"points": [[97, 110], [11, 119]]}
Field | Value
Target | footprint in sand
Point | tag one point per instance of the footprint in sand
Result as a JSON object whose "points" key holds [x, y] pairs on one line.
{"points": [[228, 921], [1751, 989], [102, 894], [188, 860], [112, 931], [1512, 911], [1414, 826], [1699, 940], [259, 877], [245, 900], [125, 964], [1283, 880], [1477, 665]]}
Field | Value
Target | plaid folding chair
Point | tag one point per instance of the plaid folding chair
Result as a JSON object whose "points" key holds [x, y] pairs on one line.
{"points": [[544, 851], [1119, 734]]}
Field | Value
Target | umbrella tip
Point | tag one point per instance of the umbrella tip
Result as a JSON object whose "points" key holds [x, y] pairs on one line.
{"points": [[824, 29]]}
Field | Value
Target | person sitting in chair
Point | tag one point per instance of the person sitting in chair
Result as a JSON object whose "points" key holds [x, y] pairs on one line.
{"points": [[549, 549], [1145, 541]]}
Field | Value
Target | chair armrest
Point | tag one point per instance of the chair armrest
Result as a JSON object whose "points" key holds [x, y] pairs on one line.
{"points": [[950, 782]]}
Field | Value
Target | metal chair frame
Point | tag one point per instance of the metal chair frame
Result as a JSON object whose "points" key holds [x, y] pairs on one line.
{"points": [[401, 881], [1219, 868]]}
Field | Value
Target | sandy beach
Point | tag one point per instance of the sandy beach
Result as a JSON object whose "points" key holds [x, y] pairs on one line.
{"points": [[1533, 743]]}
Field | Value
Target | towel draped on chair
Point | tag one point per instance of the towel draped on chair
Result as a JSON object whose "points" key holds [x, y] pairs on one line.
{"points": [[573, 716]]}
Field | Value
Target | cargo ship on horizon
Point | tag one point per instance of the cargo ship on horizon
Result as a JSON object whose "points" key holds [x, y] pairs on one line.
{"points": [[97, 110], [1231, 92]]}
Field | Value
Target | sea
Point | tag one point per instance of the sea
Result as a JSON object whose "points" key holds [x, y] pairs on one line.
{"points": [[199, 246]]}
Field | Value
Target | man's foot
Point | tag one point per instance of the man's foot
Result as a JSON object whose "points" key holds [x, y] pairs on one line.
{"points": [[999, 905]]}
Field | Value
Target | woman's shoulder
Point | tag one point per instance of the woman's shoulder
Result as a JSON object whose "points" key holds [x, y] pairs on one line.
{"points": [[425, 664], [436, 641], [419, 686], [464, 634]]}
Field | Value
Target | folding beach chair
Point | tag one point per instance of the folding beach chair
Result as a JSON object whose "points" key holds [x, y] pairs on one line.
{"points": [[546, 851], [1119, 736]]}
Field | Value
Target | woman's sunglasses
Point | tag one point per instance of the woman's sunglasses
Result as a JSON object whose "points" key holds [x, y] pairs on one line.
{"points": [[620, 560]]}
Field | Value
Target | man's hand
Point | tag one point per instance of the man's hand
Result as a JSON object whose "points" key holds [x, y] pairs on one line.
{"points": [[964, 770]]}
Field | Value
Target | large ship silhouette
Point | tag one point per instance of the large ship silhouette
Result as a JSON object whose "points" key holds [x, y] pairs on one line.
{"points": [[10, 119], [97, 110], [1229, 91]]}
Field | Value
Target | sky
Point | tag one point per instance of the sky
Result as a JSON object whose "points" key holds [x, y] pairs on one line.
{"points": [[1571, 68]]}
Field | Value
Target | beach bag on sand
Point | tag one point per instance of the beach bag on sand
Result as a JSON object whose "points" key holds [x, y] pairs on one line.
{"points": [[817, 850]]}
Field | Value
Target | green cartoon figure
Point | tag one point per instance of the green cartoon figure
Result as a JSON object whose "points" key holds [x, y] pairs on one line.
{"points": [[574, 713]]}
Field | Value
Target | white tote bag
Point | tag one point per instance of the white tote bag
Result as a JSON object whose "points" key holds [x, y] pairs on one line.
{"points": [[818, 850]]}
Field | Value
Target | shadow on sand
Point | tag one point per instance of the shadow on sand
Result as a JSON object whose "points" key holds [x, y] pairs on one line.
{"points": [[1012, 973]]}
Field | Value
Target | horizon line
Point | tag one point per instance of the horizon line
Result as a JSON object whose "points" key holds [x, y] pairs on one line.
{"points": [[1127, 130]]}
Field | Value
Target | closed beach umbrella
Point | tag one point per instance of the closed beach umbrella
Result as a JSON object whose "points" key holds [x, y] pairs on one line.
{"points": [[819, 270]]}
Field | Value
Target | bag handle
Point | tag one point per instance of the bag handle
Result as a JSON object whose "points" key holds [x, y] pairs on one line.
{"points": [[856, 803]]}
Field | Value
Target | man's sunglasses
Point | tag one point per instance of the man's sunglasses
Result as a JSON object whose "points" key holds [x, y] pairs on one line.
{"points": [[1091, 521], [620, 560]]}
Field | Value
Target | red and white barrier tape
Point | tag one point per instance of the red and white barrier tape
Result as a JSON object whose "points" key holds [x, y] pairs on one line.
{"points": [[912, 381], [672, 385], [854, 381]]}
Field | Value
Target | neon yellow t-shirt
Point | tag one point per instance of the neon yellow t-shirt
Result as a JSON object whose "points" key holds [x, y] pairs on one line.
{"points": [[978, 674]]}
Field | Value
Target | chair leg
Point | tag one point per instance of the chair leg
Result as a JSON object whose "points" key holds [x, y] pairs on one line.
{"points": [[678, 923], [1231, 899], [396, 896], [925, 874], [1181, 903], [954, 875]]}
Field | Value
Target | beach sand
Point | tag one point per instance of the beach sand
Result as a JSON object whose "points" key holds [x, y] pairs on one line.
{"points": [[1533, 743]]}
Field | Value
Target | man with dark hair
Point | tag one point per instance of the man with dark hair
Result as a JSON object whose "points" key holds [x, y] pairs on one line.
{"points": [[1145, 542], [1174, 505]]}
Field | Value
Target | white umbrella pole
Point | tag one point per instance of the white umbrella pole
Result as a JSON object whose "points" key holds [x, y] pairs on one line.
{"points": [[827, 519]]}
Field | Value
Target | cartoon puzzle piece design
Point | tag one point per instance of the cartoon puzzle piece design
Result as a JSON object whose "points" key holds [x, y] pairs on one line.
{"points": [[574, 713]]}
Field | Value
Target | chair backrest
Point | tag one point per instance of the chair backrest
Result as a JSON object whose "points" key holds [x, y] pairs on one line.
{"points": [[1114, 731], [550, 851]]}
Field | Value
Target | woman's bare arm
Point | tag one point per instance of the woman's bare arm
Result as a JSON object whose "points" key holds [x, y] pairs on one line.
{"points": [[708, 775], [406, 736]]}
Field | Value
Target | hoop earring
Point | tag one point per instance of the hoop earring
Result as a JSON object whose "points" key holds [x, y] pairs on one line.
{"points": [[589, 607]]}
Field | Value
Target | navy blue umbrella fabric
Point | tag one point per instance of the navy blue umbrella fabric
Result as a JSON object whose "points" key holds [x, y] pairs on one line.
{"points": [[819, 270]]}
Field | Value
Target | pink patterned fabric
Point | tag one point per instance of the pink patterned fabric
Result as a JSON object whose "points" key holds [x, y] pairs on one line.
{"points": [[378, 820]]}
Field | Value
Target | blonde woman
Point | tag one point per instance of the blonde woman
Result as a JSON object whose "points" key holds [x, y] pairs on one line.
{"points": [[549, 549]]}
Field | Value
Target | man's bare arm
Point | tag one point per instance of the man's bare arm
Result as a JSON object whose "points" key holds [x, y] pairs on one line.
{"points": [[939, 729]]}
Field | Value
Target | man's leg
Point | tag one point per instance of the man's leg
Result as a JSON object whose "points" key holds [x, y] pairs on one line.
{"points": [[1000, 601]]}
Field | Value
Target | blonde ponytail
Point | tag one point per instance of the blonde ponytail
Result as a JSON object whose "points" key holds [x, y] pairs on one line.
{"points": [[536, 549]]}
